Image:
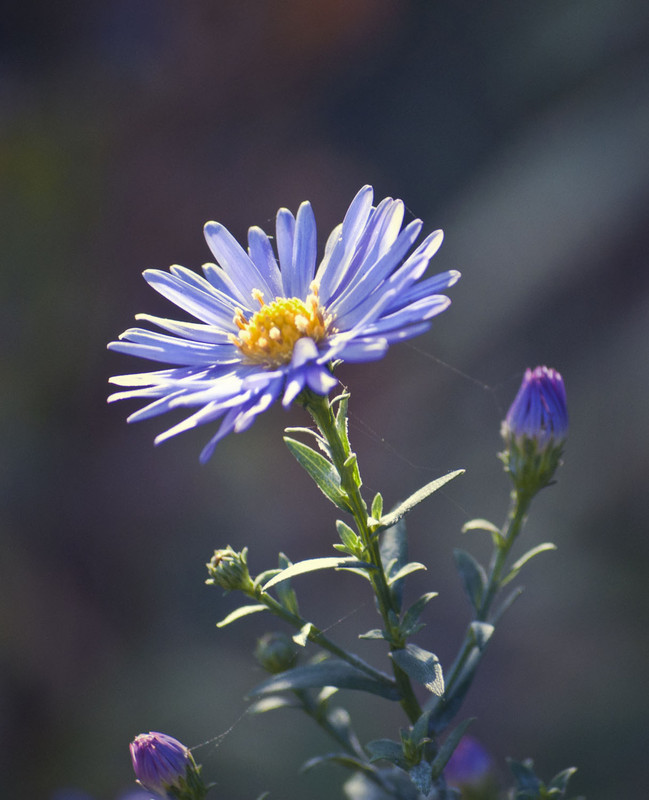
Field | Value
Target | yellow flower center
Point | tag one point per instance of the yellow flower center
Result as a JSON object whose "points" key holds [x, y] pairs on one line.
{"points": [[269, 336]]}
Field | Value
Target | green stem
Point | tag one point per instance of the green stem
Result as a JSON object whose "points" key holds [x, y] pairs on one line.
{"points": [[343, 460]]}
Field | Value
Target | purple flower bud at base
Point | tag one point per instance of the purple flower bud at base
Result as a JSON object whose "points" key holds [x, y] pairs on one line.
{"points": [[164, 766]]}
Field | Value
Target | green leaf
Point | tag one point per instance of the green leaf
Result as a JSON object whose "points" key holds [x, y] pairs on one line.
{"points": [[485, 525], [337, 758], [560, 781], [243, 611], [386, 750], [518, 565], [473, 576], [406, 569], [285, 593], [333, 672], [507, 603], [349, 538], [272, 703], [448, 748], [375, 633], [482, 632], [403, 508], [302, 637], [377, 505], [421, 776], [321, 470], [411, 617], [526, 780], [394, 555], [422, 666], [314, 564]]}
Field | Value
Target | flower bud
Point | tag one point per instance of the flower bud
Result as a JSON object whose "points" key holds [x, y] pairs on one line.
{"points": [[276, 652], [535, 429], [470, 764], [164, 766], [229, 570]]}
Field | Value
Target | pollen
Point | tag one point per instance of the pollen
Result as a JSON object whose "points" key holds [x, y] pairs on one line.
{"points": [[269, 335]]}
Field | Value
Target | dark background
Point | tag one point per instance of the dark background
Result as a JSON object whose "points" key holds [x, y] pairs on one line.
{"points": [[522, 129]]}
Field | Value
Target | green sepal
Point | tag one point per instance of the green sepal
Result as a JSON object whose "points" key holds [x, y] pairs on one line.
{"points": [[473, 576], [321, 470], [314, 564], [272, 703], [332, 672], [387, 750], [403, 508], [448, 748], [410, 620], [422, 666], [242, 611], [518, 565], [485, 525]]}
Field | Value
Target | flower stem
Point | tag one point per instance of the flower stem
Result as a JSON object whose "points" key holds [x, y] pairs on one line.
{"points": [[345, 464]]}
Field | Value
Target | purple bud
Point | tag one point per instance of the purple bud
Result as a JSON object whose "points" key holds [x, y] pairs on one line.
{"points": [[539, 410], [160, 762], [470, 763], [535, 429]]}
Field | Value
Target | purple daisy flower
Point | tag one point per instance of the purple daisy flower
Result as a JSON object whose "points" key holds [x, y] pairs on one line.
{"points": [[160, 762], [269, 330]]}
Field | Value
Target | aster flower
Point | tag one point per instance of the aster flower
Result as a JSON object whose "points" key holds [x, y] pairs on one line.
{"points": [[270, 327]]}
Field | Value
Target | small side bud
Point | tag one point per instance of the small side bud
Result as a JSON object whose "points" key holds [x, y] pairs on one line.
{"points": [[229, 570], [276, 652], [470, 766], [535, 430], [164, 766]]}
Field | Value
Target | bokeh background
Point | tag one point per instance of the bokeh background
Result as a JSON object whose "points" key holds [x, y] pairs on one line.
{"points": [[522, 129]]}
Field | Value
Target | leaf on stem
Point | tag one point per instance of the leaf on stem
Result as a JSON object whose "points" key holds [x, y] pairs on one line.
{"points": [[272, 703], [333, 672], [516, 567], [411, 618], [243, 611], [485, 525], [336, 758], [387, 750], [406, 569], [448, 748], [422, 666], [394, 555], [473, 576], [403, 508], [314, 564], [321, 470]]}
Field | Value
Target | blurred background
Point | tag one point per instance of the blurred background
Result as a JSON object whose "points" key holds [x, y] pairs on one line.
{"points": [[522, 130]]}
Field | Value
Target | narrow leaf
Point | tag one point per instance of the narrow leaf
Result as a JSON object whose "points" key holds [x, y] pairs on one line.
{"points": [[386, 750], [321, 470], [422, 666], [336, 758], [375, 633], [412, 615], [377, 505], [313, 564], [394, 555], [412, 566], [482, 632], [243, 611], [348, 536], [507, 603], [272, 703], [516, 567], [302, 637], [333, 672], [448, 748], [416, 498], [473, 576]]}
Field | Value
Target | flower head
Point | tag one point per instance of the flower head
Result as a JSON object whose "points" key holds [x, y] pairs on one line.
{"points": [[229, 570], [470, 763], [269, 327], [164, 766], [535, 429]]}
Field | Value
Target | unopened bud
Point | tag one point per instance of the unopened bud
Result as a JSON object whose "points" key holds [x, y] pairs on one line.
{"points": [[276, 652], [164, 766], [229, 570]]}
